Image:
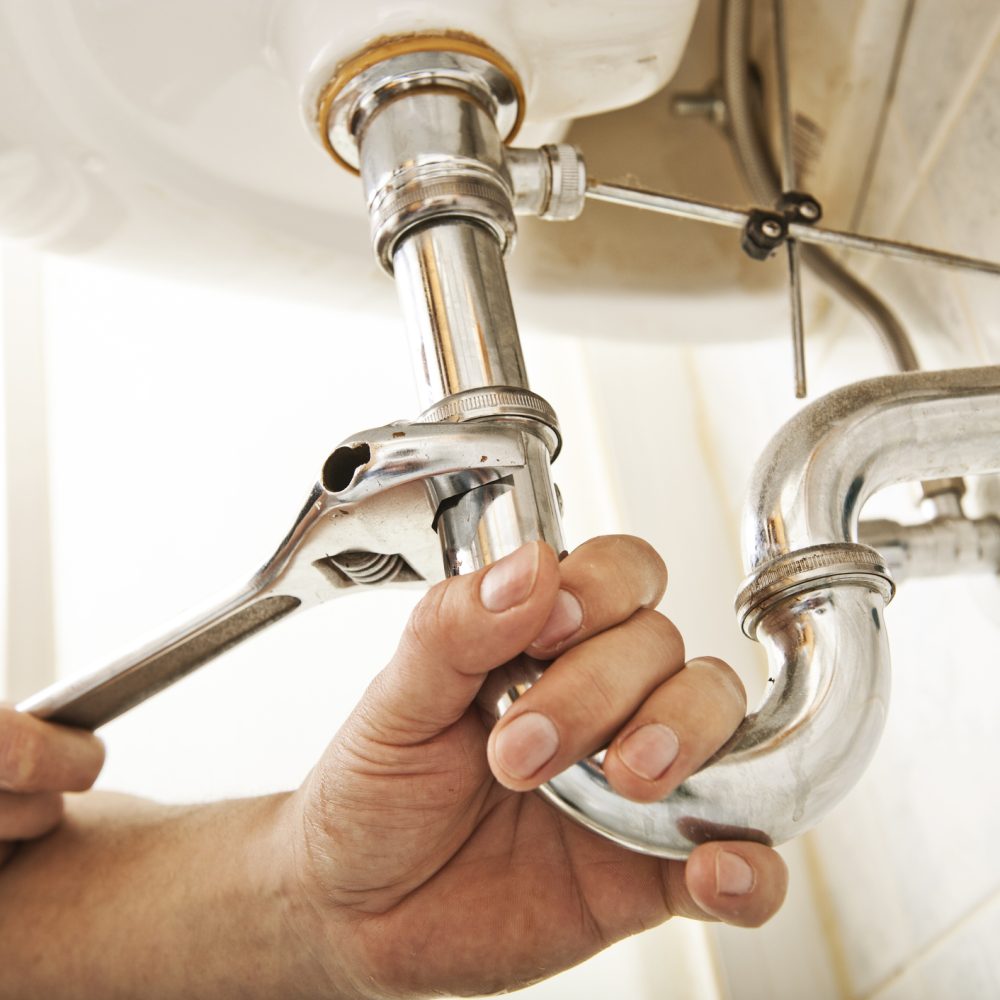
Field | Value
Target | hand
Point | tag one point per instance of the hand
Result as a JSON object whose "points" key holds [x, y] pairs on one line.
{"points": [[427, 869], [39, 761]]}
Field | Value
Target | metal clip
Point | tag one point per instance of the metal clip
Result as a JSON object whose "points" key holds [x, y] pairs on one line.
{"points": [[763, 233]]}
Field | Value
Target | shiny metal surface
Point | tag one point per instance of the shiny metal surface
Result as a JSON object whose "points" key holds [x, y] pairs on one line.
{"points": [[666, 204], [940, 547], [549, 182], [378, 495], [374, 88], [818, 726], [790, 761], [433, 155], [814, 477], [720, 215], [743, 120], [441, 204], [497, 401], [798, 323], [789, 183], [806, 569], [819, 613], [488, 521], [455, 298], [436, 160]]}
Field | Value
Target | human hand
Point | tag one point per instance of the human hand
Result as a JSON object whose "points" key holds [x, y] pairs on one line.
{"points": [[38, 761], [429, 872]]}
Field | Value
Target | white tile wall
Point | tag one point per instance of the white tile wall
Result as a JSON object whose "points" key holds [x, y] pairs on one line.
{"points": [[927, 930], [960, 964]]}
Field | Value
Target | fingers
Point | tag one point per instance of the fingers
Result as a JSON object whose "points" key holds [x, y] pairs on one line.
{"points": [[583, 699], [740, 882], [23, 817], [601, 584], [678, 727], [37, 756], [469, 625], [462, 629]]}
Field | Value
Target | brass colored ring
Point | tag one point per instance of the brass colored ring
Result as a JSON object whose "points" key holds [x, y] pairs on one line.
{"points": [[390, 46]]}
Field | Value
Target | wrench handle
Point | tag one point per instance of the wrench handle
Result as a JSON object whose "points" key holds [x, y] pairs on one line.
{"points": [[89, 702]]}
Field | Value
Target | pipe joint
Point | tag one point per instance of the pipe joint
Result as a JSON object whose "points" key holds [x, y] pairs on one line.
{"points": [[549, 182], [426, 130], [808, 569]]}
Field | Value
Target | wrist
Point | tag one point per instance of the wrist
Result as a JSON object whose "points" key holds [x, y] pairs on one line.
{"points": [[316, 932]]}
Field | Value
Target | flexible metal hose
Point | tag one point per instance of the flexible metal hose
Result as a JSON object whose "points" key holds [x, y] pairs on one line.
{"points": [[761, 174]]}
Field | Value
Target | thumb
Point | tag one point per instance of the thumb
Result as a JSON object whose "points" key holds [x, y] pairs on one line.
{"points": [[463, 628]]}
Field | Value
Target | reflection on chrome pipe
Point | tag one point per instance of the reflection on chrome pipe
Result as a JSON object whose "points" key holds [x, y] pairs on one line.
{"points": [[427, 129], [940, 547], [820, 469], [495, 518], [815, 599], [786, 764], [452, 285]]}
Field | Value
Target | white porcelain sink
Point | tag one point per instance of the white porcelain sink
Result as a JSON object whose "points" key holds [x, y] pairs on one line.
{"points": [[177, 134]]}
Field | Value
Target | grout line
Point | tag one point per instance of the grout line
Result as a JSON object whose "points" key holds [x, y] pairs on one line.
{"points": [[964, 93], [864, 188], [927, 950], [874, 268], [823, 898]]}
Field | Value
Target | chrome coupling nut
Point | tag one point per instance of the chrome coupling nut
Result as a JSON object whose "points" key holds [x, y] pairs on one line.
{"points": [[426, 130], [549, 182], [807, 570]]}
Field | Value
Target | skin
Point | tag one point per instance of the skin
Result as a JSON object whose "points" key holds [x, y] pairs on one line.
{"points": [[410, 862]]}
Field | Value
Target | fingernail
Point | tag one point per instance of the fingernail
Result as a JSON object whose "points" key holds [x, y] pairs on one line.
{"points": [[566, 618], [526, 744], [510, 581], [650, 750], [733, 874]]}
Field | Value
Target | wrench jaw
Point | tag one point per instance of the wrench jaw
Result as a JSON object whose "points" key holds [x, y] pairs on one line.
{"points": [[412, 487], [381, 526]]}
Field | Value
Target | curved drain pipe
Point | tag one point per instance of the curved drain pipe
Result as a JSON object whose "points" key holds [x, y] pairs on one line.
{"points": [[815, 599]]}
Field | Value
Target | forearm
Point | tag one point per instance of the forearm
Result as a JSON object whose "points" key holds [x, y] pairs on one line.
{"points": [[130, 899]]}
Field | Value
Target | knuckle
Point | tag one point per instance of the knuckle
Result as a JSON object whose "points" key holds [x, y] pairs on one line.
{"points": [[48, 811], [724, 678], [622, 565], [21, 750], [600, 697], [659, 630], [654, 570], [427, 625]]}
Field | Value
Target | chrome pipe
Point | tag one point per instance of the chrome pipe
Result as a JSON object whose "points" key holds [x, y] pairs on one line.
{"points": [[441, 205], [817, 473], [453, 290], [940, 547], [822, 621], [789, 762]]}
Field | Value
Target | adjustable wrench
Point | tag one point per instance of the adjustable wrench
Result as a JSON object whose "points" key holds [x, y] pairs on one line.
{"points": [[384, 501]]}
